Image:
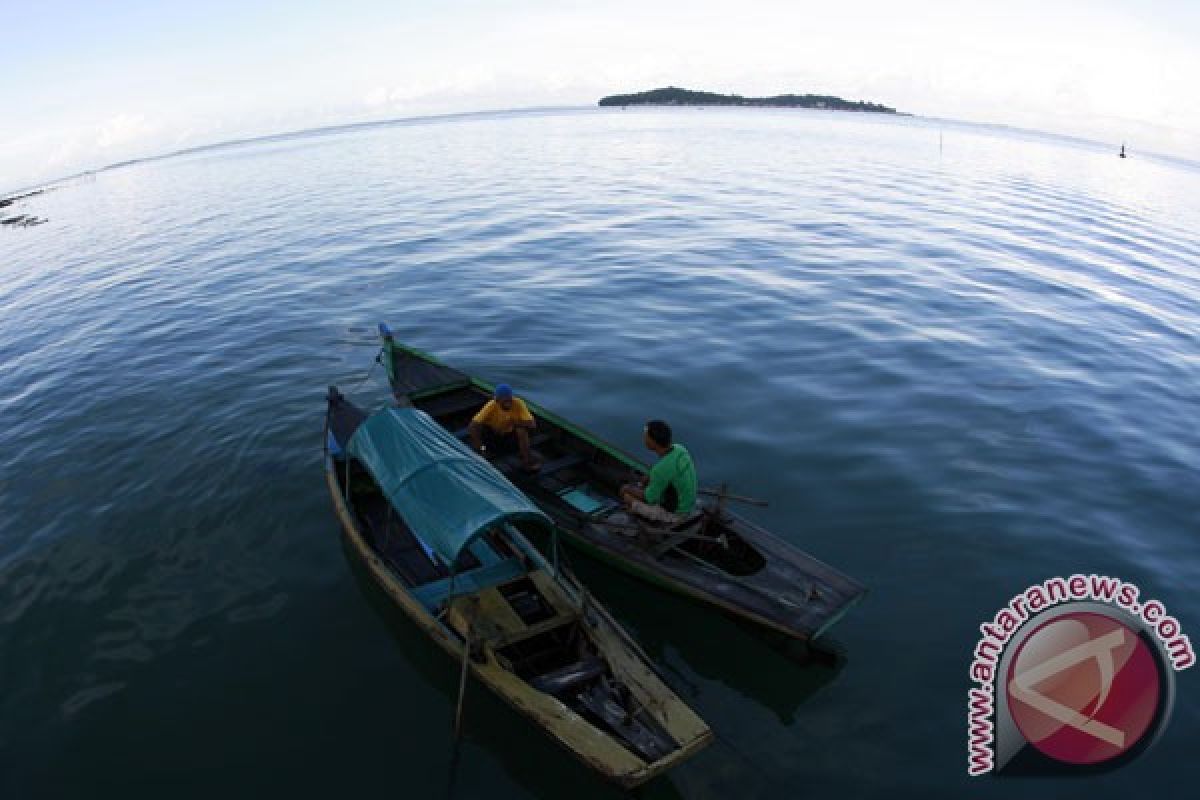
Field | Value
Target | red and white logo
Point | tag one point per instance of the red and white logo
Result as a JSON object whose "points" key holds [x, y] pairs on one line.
{"points": [[1083, 688], [1075, 674]]}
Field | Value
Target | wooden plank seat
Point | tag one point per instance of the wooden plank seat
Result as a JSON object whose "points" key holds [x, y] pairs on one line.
{"points": [[503, 640], [473, 581], [660, 539], [690, 528]]}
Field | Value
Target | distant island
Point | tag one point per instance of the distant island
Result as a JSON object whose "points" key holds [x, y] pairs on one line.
{"points": [[672, 96]]}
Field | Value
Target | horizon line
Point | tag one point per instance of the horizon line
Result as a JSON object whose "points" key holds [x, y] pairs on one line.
{"points": [[346, 127]]}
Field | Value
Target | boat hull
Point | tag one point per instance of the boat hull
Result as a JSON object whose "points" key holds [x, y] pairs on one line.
{"points": [[599, 752]]}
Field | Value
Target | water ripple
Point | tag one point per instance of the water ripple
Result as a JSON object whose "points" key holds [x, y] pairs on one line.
{"points": [[952, 376]]}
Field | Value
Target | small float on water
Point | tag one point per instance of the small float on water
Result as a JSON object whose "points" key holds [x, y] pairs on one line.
{"points": [[444, 535], [1122, 154], [714, 556]]}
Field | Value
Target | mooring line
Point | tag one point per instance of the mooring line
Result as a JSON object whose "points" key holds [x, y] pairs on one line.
{"points": [[378, 360]]}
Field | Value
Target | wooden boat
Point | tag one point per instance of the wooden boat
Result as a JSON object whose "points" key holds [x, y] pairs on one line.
{"points": [[715, 556], [443, 534]]}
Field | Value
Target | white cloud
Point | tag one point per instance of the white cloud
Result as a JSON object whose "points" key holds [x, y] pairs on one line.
{"points": [[124, 129], [379, 96], [1070, 68]]}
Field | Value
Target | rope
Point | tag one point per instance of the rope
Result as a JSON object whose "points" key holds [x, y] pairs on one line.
{"points": [[367, 377]]}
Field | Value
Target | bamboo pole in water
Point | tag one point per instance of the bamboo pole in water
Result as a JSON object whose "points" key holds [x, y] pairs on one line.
{"points": [[462, 676]]}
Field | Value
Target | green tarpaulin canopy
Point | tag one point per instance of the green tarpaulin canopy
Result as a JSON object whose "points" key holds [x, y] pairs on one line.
{"points": [[446, 493]]}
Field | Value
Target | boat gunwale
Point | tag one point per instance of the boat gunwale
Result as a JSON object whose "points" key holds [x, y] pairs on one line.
{"points": [[488, 387]]}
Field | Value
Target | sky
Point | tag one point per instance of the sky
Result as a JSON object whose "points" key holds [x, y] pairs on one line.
{"points": [[87, 84]]}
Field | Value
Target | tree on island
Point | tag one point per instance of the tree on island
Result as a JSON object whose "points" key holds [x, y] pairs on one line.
{"points": [[674, 96]]}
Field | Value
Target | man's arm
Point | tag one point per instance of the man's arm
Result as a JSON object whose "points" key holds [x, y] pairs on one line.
{"points": [[657, 485], [475, 429], [523, 418]]}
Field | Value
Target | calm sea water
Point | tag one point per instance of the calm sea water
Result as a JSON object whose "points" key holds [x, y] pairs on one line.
{"points": [[951, 372]]}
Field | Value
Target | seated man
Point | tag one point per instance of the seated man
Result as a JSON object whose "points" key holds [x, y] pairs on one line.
{"points": [[503, 425], [668, 494]]}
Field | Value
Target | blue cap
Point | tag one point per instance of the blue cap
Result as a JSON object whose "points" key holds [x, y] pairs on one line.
{"points": [[503, 391]]}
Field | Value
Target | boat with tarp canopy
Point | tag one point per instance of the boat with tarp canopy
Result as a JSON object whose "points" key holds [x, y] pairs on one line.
{"points": [[443, 533], [449, 495], [716, 555]]}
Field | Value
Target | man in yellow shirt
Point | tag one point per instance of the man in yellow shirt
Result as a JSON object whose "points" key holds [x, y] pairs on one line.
{"points": [[504, 421]]}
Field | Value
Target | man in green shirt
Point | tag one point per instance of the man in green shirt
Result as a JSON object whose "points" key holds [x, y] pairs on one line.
{"points": [[668, 494]]}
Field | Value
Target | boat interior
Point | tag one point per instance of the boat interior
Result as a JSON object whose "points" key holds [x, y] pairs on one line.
{"points": [[581, 481], [502, 600]]}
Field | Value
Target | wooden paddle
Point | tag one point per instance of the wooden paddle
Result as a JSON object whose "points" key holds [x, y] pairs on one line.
{"points": [[724, 495]]}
